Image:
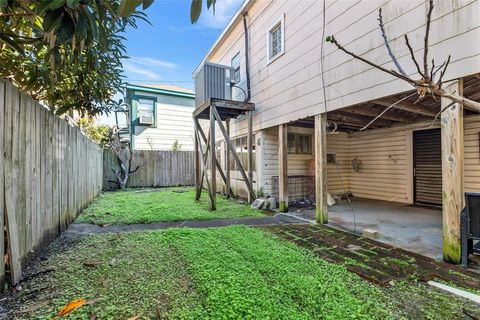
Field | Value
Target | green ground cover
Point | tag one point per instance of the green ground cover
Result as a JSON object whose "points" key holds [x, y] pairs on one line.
{"points": [[232, 272], [159, 205]]}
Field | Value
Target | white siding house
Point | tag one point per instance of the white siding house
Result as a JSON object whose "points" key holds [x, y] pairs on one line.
{"points": [[160, 115], [300, 82]]}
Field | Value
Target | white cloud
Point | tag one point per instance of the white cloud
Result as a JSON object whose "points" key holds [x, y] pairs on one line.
{"points": [[152, 62], [224, 11], [134, 70]]}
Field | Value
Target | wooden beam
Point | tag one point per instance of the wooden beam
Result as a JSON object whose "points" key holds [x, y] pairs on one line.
{"points": [[204, 165], [321, 210], [408, 106], [283, 168], [453, 175], [249, 152], [198, 187], [227, 160], [213, 162], [372, 111], [233, 151], [202, 111], [342, 117], [217, 162]]}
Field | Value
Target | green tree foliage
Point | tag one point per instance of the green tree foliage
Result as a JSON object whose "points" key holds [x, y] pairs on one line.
{"points": [[196, 8], [176, 146], [67, 53], [99, 133]]}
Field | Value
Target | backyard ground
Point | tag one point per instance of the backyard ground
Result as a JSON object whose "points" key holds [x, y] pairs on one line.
{"points": [[233, 272], [160, 205]]}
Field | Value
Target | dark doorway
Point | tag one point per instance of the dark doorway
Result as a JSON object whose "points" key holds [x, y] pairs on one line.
{"points": [[427, 167]]}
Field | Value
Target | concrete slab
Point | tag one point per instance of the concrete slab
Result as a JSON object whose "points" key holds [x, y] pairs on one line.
{"points": [[412, 228]]}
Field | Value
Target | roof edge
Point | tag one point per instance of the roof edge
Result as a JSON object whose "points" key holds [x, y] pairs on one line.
{"points": [[160, 91], [233, 21]]}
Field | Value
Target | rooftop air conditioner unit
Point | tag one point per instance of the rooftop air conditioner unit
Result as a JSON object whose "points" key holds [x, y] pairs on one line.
{"points": [[213, 81], [146, 119]]}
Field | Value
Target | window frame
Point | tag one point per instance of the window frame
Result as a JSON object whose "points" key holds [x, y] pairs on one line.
{"points": [[298, 137], [243, 155], [136, 99], [236, 68], [280, 21]]}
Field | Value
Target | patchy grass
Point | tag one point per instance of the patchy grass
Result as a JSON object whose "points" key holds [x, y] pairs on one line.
{"points": [[232, 272], [160, 205]]}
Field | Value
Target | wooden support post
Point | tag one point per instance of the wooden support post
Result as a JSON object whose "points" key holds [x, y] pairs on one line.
{"points": [[227, 160], [198, 186], [453, 176], [282, 168], [231, 148], [250, 153], [219, 167], [321, 211], [213, 159]]}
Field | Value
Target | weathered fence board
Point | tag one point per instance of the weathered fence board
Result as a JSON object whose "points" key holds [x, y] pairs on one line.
{"points": [[157, 169], [2, 189], [49, 172]]}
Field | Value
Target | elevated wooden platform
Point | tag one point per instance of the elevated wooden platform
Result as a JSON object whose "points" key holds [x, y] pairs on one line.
{"points": [[227, 109], [218, 111]]}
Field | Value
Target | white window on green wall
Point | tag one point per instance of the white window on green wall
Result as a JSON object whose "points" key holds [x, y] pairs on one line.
{"points": [[146, 111]]}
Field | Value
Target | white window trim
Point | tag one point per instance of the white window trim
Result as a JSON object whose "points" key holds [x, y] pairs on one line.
{"points": [[280, 20]]}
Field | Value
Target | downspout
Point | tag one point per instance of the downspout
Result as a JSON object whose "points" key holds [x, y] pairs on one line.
{"points": [[247, 70]]}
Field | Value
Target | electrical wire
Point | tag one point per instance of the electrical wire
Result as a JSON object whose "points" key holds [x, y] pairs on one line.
{"points": [[322, 57]]}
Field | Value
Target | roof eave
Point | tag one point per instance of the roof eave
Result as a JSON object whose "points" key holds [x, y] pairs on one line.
{"points": [[233, 21], [160, 91]]}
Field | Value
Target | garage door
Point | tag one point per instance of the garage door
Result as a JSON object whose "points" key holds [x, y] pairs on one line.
{"points": [[427, 153]]}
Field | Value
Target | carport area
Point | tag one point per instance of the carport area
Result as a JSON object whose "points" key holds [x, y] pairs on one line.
{"points": [[416, 229]]}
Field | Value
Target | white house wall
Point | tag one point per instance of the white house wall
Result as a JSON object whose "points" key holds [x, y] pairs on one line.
{"points": [[290, 87], [173, 122]]}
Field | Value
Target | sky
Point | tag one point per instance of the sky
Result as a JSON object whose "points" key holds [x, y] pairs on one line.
{"points": [[169, 48]]}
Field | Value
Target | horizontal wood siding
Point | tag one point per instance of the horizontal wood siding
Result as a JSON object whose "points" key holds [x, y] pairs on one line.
{"points": [[173, 122], [291, 87], [472, 153], [157, 169], [298, 164], [338, 173], [386, 161], [51, 172]]}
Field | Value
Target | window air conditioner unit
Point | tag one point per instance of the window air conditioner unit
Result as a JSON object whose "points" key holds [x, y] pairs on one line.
{"points": [[146, 119], [213, 81]]}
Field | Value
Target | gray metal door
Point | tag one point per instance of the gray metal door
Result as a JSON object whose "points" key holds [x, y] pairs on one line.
{"points": [[427, 166]]}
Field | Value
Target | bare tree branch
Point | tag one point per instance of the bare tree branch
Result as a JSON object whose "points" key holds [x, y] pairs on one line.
{"points": [[412, 55], [427, 34], [431, 70], [442, 73], [440, 112], [383, 112], [390, 52], [332, 39]]}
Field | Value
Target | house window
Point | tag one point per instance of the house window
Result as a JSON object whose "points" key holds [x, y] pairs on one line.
{"points": [[299, 143], [241, 148], [146, 111], [275, 40], [236, 68]]}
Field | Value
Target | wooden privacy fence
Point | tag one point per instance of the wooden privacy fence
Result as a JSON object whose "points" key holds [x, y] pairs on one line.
{"points": [[157, 169], [49, 172]]}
